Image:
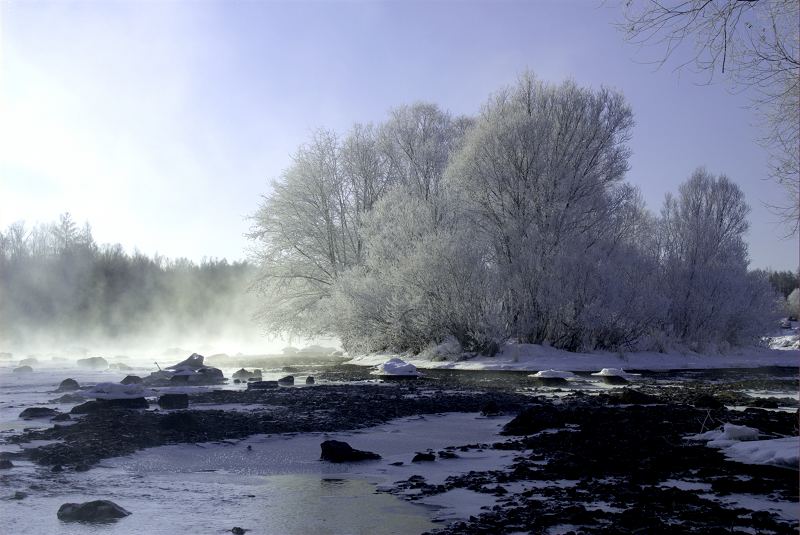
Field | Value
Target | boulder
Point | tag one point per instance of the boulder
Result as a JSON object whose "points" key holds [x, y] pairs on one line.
{"points": [[68, 385], [423, 457], [534, 419], [38, 412], [69, 398], [106, 404], [309, 380], [60, 418], [95, 363], [131, 380], [336, 451], [30, 361], [5, 464], [490, 408], [120, 366], [244, 375], [95, 511], [262, 385], [288, 380], [174, 401], [23, 369], [194, 362]]}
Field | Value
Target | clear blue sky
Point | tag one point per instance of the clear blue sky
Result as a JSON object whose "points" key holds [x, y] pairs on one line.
{"points": [[163, 122]]}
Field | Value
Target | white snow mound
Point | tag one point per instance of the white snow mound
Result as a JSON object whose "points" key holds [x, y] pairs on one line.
{"points": [[397, 366], [553, 374], [116, 391], [725, 436], [777, 451], [614, 372]]}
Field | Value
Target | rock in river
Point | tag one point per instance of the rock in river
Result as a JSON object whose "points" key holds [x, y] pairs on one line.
{"points": [[174, 401], [38, 412], [262, 385], [336, 451], [96, 511], [131, 380], [288, 380], [23, 369], [68, 385], [5, 464]]}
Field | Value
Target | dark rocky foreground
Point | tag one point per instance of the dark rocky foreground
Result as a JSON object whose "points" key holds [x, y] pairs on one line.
{"points": [[618, 450]]}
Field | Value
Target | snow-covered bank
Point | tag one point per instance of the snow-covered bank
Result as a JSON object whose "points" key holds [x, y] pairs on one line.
{"points": [[530, 357]]}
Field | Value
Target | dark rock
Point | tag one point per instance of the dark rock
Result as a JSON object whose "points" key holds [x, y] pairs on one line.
{"points": [[18, 495], [131, 380], [396, 463], [629, 396], [288, 380], [60, 418], [309, 380], [244, 375], [613, 380], [423, 457], [105, 404], [95, 363], [5, 464], [96, 511], [447, 455], [262, 385], [23, 369], [174, 401], [237, 381], [767, 403], [336, 451], [236, 530], [194, 361], [534, 419], [181, 422], [38, 412], [707, 401], [57, 468], [68, 385], [490, 408], [70, 398]]}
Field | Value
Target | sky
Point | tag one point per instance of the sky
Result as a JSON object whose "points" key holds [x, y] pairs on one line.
{"points": [[163, 123]]}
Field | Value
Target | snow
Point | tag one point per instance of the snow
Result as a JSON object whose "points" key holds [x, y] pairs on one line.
{"points": [[397, 366], [534, 357], [740, 443], [553, 374], [116, 391], [776, 451], [613, 372]]}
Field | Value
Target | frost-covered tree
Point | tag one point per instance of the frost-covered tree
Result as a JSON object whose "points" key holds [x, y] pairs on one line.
{"points": [[713, 298], [540, 176]]}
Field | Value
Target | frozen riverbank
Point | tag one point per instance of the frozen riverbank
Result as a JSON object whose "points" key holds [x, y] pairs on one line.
{"points": [[530, 357]]}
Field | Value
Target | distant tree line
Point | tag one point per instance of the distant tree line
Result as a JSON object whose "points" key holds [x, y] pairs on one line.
{"points": [[516, 224], [57, 283]]}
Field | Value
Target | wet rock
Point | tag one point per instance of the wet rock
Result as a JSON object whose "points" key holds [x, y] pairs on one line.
{"points": [[707, 401], [68, 385], [534, 419], [490, 408], [244, 375], [95, 511], [5, 464], [57, 469], [18, 495], [288, 380], [106, 404], [236, 530], [336, 451], [447, 455], [70, 398], [60, 418], [131, 380], [95, 363], [237, 381], [262, 385], [768, 403], [180, 422], [23, 369], [423, 457], [309, 380], [629, 396], [37, 412], [174, 401]]}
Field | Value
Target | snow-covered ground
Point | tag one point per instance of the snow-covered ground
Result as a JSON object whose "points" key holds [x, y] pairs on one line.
{"points": [[531, 357]]}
